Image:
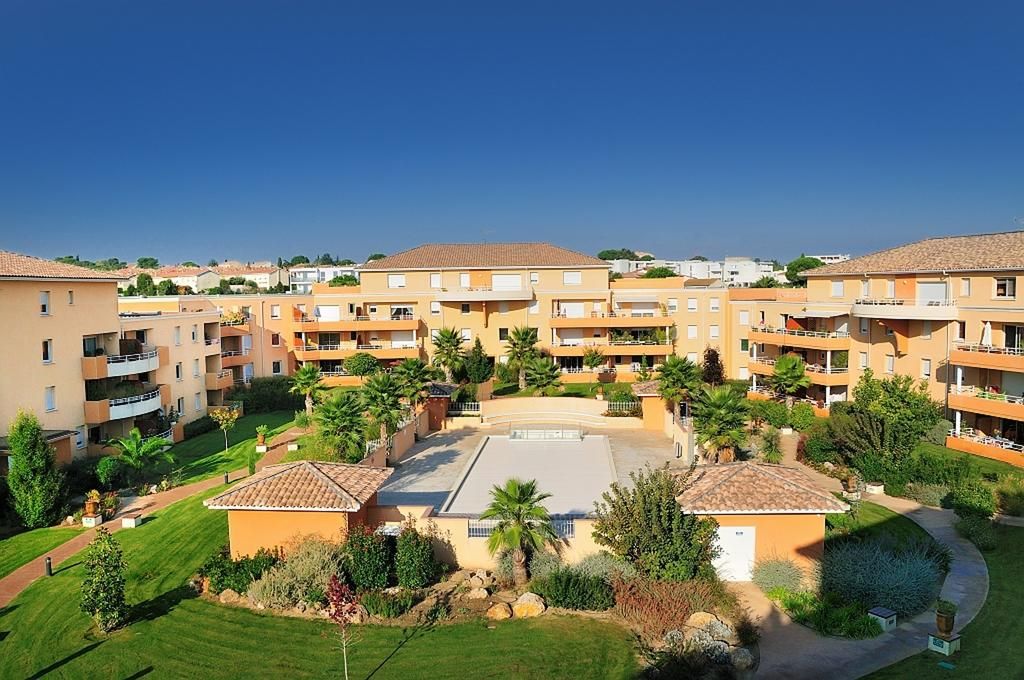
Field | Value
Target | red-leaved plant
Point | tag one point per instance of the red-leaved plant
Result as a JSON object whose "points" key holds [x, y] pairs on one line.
{"points": [[343, 607]]}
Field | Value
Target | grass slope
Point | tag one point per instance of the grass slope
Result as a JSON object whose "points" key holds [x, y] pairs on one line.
{"points": [[984, 465], [22, 548], [177, 635]]}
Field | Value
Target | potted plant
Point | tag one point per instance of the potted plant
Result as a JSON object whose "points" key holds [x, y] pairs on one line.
{"points": [[945, 616], [261, 434], [92, 503]]}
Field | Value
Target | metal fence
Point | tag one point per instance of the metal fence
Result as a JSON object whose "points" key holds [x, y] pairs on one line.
{"points": [[565, 527], [464, 407], [536, 433], [623, 406]]}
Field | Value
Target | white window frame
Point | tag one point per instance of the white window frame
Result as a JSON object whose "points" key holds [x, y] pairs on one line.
{"points": [[838, 288], [926, 368], [71, 300], [465, 309], [277, 367], [44, 303], [177, 335], [48, 351], [1011, 288], [713, 331], [179, 372], [572, 278], [890, 364], [692, 356], [181, 404], [534, 277], [197, 401], [865, 288], [691, 304], [890, 288], [714, 304], [396, 280], [463, 279], [691, 332], [534, 307], [435, 280], [275, 339], [865, 325], [744, 317], [275, 311], [926, 329], [50, 398], [672, 305], [863, 360], [466, 334], [435, 308], [195, 368], [965, 287]]}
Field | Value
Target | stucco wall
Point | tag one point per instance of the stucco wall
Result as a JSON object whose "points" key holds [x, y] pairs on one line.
{"points": [[797, 537], [250, 530]]}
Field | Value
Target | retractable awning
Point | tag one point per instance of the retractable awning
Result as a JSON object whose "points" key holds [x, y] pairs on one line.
{"points": [[817, 314]]}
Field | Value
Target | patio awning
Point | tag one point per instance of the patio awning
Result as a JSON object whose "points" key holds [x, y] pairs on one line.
{"points": [[818, 314], [635, 297]]}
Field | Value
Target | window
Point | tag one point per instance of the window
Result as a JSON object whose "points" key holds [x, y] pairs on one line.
{"points": [[275, 367], [889, 331], [744, 373], [863, 326], [275, 339], [572, 278], [926, 368], [837, 289], [744, 317], [50, 398], [965, 287], [467, 334], [465, 308], [534, 277], [1006, 288], [534, 306], [890, 288], [865, 288], [275, 311], [890, 364], [691, 332], [47, 350], [691, 356], [80, 435], [181, 405], [863, 360], [691, 304], [195, 368], [433, 333], [673, 305], [960, 330], [713, 332], [714, 305], [463, 280], [44, 302], [195, 333], [926, 329], [197, 402], [503, 334], [435, 308], [435, 280], [71, 301], [744, 345], [177, 371], [371, 310], [177, 335], [396, 280], [502, 308]]}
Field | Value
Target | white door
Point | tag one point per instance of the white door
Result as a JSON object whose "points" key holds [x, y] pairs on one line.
{"points": [[737, 553], [931, 291], [573, 310], [506, 281]]}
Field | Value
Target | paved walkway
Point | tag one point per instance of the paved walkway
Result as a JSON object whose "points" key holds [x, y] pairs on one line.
{"points": [[21, 578], [791, 651]]}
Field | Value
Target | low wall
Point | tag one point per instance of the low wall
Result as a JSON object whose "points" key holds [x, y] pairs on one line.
{"points": [[985, 451], [402, 443], [576, 410]]}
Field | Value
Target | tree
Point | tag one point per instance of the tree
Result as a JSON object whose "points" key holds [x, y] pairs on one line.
{"points": [[226, 419], [343, 281], [110, 264], [801, 264], [346, 262], [521, 350], [361, 364], [643, 523], [342, 426], [298, 260], [343, 605], [617, 254], [720, 419], [477, 364], [646, 258], [189, 263], [278, 287], [414, 378], [382, 396], [148, 263], [789, 377], [167, 287], [324, 260], [35, 485], [137, 452], [212, 262], [699, 258], [448, 352], [144, 284], [659, 273], [678, 379], [593, 357], [712, 371], [308, 383], [542, 373], [375, 256], [103, 586], [644, 373], [766, 282], [614, 276], [523, 525]]}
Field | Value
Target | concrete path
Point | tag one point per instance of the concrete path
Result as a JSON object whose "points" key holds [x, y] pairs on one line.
{"points": [[791, 651], [21, 578]]}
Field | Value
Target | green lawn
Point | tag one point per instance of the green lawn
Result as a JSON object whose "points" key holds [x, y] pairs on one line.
{"points": [[175, 634], [875, 520], [984, 465], [203, 456], [991, 642], [22, 548]]}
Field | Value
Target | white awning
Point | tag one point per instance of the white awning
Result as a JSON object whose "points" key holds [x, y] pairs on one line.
{"points": [[817, 314], [635, 297]]}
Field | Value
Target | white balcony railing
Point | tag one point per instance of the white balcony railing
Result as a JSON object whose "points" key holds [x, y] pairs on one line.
{"points": [[135, 399], [970, 434], [800, 333], [360, 317], [236, 353], [988, 349], [972, 391], [212, 341], [903, 302], [646, 314], [810, 368], [168, 435], [128, 358]]}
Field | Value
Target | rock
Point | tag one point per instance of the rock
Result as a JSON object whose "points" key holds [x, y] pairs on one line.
{"points": [[674, 638], [476, 582], [828, 465], [701, 619], [459, 576], [528, 605], [228, 596], [360, 615], [301, 607], [499, 612], [69, 519], [741, 659], [477, 594]]}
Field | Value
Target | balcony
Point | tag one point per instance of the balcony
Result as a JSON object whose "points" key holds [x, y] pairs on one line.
{"points": [[978, 443], [402, 349], [104, 410], [821, 410], [117, 365], [234, 327], [612, 320], [392, 322], [219, 380], [234, 357], [212, 345], [987, 356], [482, 294], [820, 340], [613, 348], [996, 404], [818, 374], [897, 308]]}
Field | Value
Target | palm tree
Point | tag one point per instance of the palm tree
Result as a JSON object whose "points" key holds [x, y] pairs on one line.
{"points": [[307, 382], [679, 379], [382, 398], [523, 523], [522, 348], [789, 376], [719, 419], [542, 373], [414, 378], [342, 424], [448, 352], [137, 452]]}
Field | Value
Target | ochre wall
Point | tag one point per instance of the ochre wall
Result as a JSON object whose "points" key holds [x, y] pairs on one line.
{"points": [[250, 530], [797, 537]]}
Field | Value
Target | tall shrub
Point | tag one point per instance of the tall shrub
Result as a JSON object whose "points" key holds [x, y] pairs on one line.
{"points": [[36, 486], [415, 566], [103, 586], [368, 558]]}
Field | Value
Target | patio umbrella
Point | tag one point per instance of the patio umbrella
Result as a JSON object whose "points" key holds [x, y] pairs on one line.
{"points": [[986, 334]]}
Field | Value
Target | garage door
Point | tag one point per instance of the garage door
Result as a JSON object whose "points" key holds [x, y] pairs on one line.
{"points": [[737, 553], [931, 291], [506, 281], [573, 310]]}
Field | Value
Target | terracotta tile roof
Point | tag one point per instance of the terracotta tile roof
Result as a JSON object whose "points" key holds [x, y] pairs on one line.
{"points": [[304, 485], [702, 283], [171, 270], [242, 270], [752, 488], [17, 266], [485, 255], [974, 252]]}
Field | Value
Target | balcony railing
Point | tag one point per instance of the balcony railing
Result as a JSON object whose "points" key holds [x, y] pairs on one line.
{"points": [[212, 341], [989, 349], [970, 434], [811, 368], [383, 344], [972, 391], [127, 358], [800, 333], [236, 353], [234, 322], [579, 369], [168, 435], [609, 343], [120, 401], [903, 302], [647, 314], [361, 317]]}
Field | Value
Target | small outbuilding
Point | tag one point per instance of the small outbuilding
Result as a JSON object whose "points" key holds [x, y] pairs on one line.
{"points": [[282, 501], [763, 511]]}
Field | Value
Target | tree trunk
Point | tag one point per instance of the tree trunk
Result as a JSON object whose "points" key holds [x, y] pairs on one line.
{"points": [[789, 402], [519, 567], [522, 377], [384, 439], [726, 455], [309, 405], [225, 440]]}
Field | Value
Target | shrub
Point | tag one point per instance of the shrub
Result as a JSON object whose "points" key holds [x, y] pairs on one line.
{"points": [[817, 446], [1010, 495], [224, 573], [926, 494], [302, 420], [932, 468], [978, 530], [775, 414], [874, 573], [771, 449], [543, 563], [606, 566], [268, 394], [801, 416], [415, 566], [973, 498], [778, 573], [303, 576], [109, 472], [937, 434], [80, 475], [199, 426], [569, 589], [368, 557], [827, 614], [656, 607], [388, 605], [103, 586], [35, 485], [505, 372]]}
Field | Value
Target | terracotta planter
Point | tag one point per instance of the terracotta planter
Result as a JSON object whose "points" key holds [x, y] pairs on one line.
{"points": [[92, 508], [944, 623], [261, 439]]}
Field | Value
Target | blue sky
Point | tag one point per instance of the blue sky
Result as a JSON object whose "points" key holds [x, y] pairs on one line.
{"points": [[250, 130]]}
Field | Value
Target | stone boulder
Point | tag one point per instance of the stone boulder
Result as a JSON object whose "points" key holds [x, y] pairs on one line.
{"points": [[228, 596], [499, 612], [701, 619], [528, 605], [477, 594], [459, 576], [360, 615]]}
